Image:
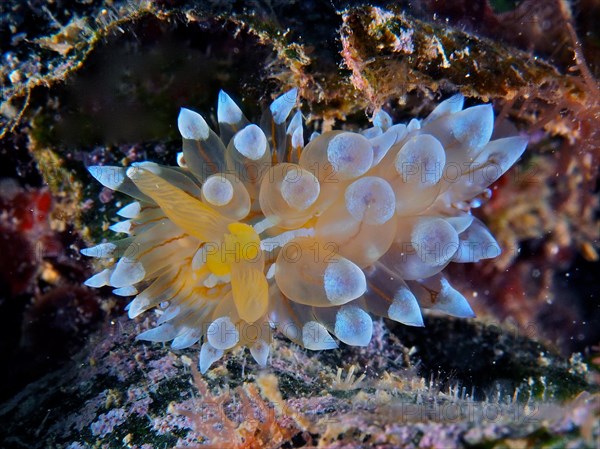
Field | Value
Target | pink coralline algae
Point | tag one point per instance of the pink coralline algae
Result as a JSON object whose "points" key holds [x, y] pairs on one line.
{"points": [[107, 422]]}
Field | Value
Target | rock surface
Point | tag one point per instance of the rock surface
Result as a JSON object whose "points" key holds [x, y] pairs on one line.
{"points": [[100, 82], [121, 393]]}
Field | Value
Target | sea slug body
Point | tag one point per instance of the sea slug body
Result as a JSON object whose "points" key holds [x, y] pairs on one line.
{"points": [[256, 229]]}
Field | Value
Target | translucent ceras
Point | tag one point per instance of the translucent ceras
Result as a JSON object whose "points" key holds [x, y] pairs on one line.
{"points": [[256, 229]]}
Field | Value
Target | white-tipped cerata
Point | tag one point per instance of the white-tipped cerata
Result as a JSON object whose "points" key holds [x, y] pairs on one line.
{"points": [[192, 125]]}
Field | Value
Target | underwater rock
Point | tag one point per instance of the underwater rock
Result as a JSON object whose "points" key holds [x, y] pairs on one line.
{"points": [[118, 392], [91, 84]]}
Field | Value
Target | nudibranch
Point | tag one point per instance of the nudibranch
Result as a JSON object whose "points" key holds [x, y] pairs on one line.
{"points": [[256, 229]]}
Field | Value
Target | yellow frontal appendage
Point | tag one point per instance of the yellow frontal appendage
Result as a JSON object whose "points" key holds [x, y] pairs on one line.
{"points": [[240, 244]]}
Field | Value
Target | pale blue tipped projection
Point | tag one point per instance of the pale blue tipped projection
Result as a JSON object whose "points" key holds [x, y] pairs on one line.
{"points": [[343, 281], [353, 326], [370, 200], [473, 127], [208, 355], [316, 337], [251, 142], [228, 111], [452, 302], [283, 105], [405, 308], [192, 125]]}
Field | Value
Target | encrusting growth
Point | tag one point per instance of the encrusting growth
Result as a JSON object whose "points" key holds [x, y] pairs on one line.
{"points": [[256, 230]]}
